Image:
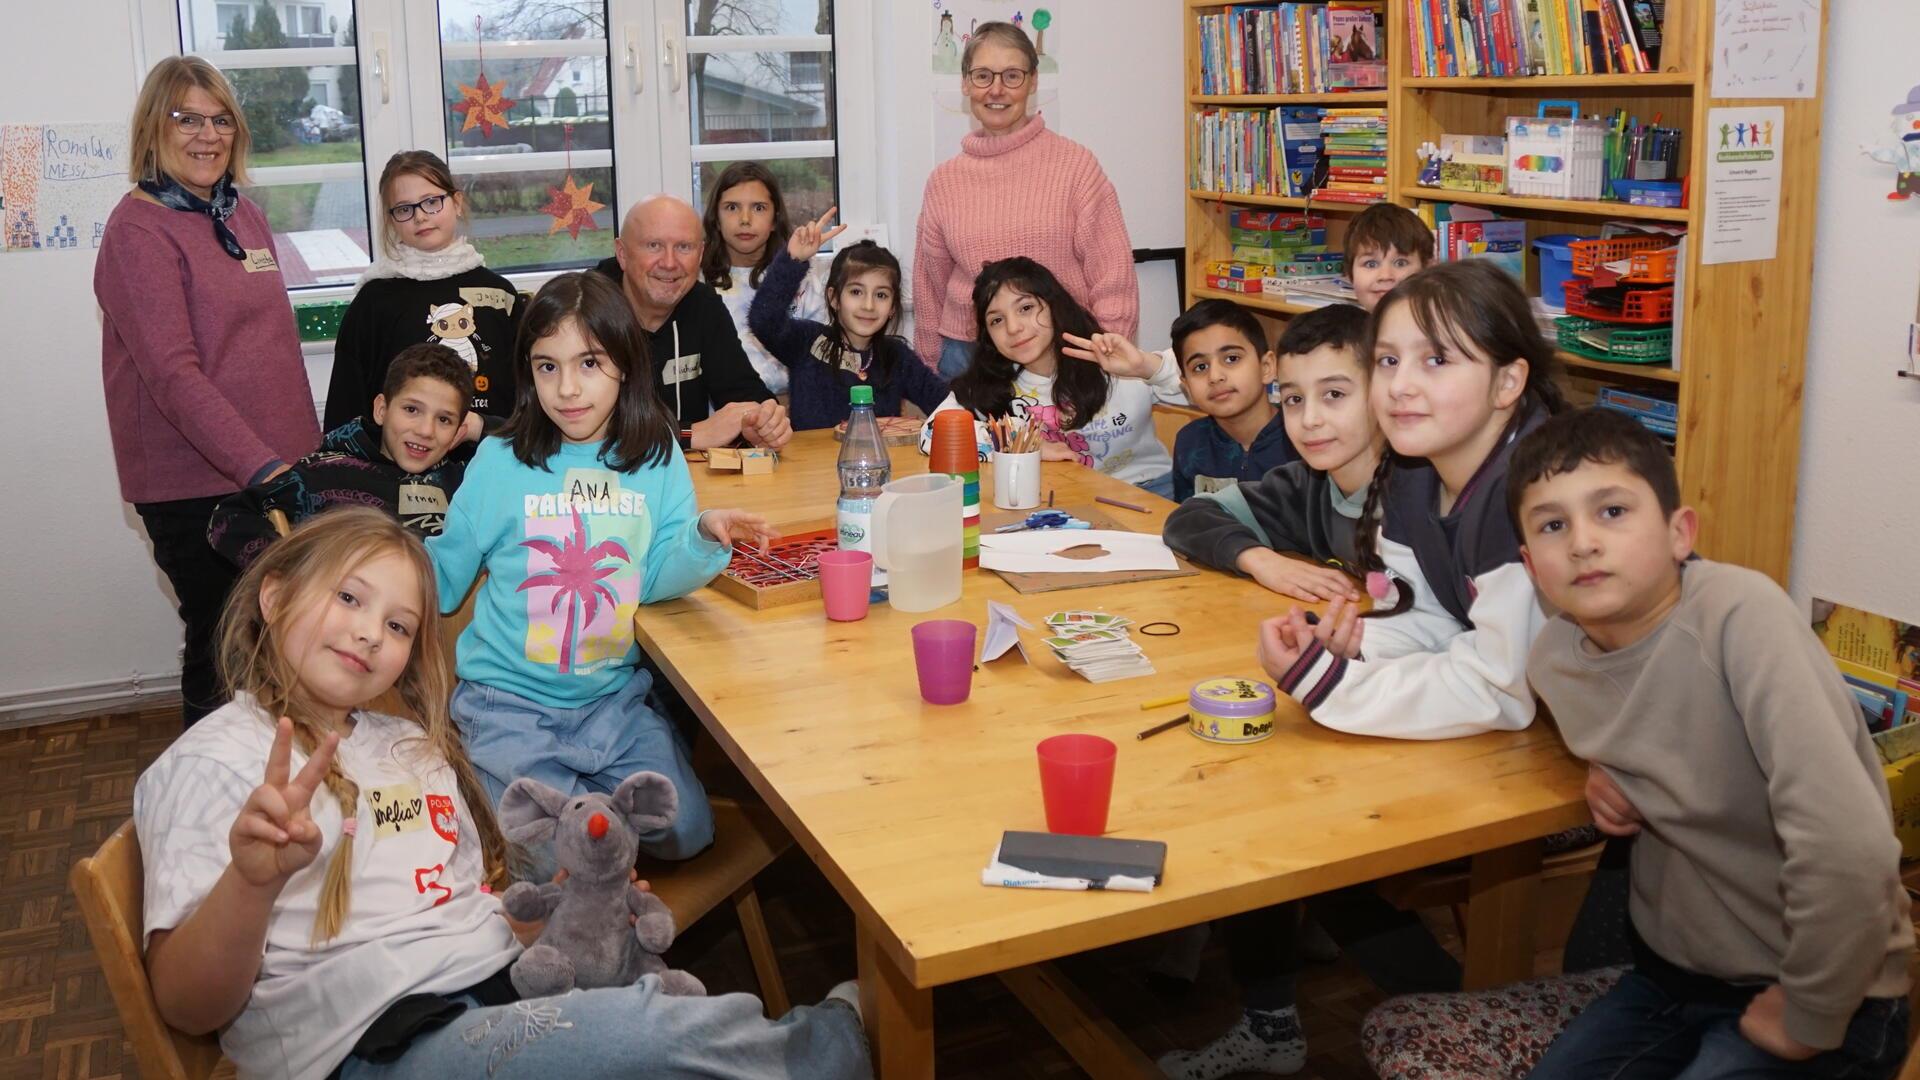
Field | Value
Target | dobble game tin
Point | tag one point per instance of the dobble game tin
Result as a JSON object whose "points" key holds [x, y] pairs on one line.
{"points": [[1229, 710]]}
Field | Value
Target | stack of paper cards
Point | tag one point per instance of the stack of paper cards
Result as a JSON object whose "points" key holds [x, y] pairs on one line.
{"points": [[1096, 645]]}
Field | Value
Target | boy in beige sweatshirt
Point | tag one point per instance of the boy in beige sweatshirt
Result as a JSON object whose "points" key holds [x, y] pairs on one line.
{"points": [[1770, 929]]}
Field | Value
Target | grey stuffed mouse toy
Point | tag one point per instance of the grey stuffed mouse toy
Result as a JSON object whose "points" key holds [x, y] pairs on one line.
{"points": [[587, 942]]}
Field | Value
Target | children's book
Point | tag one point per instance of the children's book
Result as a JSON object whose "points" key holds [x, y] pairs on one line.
{"points": [[1355, 58], [1878, 654]]}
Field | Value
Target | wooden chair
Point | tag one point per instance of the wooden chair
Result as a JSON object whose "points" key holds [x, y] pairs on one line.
{"points": [[109, 887], [1169, 419]]}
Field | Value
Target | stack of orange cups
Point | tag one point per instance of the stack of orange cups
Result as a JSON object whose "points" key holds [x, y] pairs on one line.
{"points": [[954, 451]]}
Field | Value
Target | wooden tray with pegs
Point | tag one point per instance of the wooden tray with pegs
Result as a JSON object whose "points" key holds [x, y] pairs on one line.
{"points": [[787, 573]]}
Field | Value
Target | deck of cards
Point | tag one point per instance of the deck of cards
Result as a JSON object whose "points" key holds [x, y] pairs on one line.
{"points": [[1096, 645]]}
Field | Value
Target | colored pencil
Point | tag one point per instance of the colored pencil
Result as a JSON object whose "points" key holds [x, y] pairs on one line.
{"points": [[1168, 726], [1121, 505]]}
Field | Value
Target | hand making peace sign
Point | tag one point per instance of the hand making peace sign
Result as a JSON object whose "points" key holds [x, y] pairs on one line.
{"points": [[808, 239], [275, 837]]}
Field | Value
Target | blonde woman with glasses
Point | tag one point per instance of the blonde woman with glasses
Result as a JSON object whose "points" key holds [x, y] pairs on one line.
{"points": [[206, 391], [1015, 188]]}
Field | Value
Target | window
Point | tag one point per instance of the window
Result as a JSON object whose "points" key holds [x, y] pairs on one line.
{"points": [[628, 96], [762, 90], [224, 17], [302, 103], [549, 59]]}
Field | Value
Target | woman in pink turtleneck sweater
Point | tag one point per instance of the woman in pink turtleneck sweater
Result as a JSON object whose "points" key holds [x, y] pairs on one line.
{"points": [[1015, 189]]}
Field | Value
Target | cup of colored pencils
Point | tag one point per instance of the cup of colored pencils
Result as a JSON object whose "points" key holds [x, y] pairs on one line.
{"points": [[1016, 463], [1013, 435]]}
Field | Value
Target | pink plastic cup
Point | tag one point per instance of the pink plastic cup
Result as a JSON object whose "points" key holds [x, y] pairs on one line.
{"points": [[846, 580], [943, 655], [1076, 782]]}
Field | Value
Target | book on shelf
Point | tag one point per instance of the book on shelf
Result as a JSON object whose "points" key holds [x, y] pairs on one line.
{"points": [[1291, 48], [1510, 38], [1463, 231], [1355, 146], [1275, 151], [1311, 290], [1234, 151], [1299, 146]]}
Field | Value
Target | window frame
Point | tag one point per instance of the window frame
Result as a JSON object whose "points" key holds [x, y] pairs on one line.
{"points": [[646, 48]]}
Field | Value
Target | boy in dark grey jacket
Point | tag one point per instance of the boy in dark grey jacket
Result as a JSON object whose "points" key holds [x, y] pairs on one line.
{"points": [[1307, 508]]}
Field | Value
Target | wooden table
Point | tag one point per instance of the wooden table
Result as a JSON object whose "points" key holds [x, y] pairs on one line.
{"points": [[900, 803]]}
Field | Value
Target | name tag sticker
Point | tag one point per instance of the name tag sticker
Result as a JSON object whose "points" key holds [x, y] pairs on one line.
{"points": [[1207, 485], [397, 808], [260, 260], [681, 369], [482, 296]]}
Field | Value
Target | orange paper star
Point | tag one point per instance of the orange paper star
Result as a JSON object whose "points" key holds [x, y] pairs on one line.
{"points": [[571, 208], [483, 105]]}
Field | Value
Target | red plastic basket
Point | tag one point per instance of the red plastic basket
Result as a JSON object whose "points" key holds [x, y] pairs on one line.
{"points": [[1589, 254], [1642, 307]]}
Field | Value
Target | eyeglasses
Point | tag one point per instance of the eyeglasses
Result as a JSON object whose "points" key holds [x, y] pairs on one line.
{"points": [[1012, 78], [429, 206], [189, 123]]}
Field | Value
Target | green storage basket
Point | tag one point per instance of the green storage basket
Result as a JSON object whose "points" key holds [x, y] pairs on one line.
{"points": [[1652, 345]]}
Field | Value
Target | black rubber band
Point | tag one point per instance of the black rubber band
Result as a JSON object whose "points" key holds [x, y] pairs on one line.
{"points": [[1147, 629]]}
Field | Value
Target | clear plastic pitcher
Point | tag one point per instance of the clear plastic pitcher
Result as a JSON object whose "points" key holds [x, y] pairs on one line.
{"points": [[916, 540]]}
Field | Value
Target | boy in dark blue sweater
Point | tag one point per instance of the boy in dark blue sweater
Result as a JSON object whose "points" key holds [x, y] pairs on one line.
{"points": [[1225, 367]]}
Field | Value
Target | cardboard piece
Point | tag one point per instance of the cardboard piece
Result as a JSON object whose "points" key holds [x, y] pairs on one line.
{"points": [[1095, 515]]}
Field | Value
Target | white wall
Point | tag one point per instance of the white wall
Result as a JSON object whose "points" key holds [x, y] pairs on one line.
{"points": [[1857, 521], [1120, 97], [80, 599]]}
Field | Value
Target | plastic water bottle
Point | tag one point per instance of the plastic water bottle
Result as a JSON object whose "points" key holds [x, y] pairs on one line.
{"points": [[865, 468]]}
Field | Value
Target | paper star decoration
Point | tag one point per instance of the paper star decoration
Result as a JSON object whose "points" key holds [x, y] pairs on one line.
{"points": [[571, 208], [483, 105]]}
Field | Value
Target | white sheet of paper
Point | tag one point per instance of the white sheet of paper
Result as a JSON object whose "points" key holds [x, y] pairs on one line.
{"points": [[1766, 48], [1742, 222], [1035, 552], [1001, 635]]}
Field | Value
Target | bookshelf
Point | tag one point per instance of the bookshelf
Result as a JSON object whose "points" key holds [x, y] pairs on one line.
{"points": [[1741, 350]]}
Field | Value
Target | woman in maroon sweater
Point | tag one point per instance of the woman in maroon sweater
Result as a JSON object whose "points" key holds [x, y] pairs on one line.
{"points": [[206, 389]]}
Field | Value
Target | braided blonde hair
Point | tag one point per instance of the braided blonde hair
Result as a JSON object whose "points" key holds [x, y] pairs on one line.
{"points": [[305, 568]]}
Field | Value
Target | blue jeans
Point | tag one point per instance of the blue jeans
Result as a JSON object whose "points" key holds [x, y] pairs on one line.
{"points": [[1161, 485], [954, 357], [590, 748], [1637, 1032], [630, 1031]]}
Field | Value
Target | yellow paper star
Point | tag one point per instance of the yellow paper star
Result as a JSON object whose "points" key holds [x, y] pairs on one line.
{"points": [[571, 208], [483, 105]]}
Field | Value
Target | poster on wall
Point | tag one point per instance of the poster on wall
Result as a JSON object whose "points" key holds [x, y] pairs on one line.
{"points": [[1745, 149], [59, 183], [1766, 48], [951, 27]]}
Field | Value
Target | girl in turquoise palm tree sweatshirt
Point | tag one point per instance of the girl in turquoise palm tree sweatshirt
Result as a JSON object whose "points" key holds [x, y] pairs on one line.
{"points": [[579, 511]]}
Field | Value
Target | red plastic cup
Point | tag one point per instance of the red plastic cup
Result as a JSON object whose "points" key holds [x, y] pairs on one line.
{"points": [[943, 656], [1076, 782], [846, 580]]}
